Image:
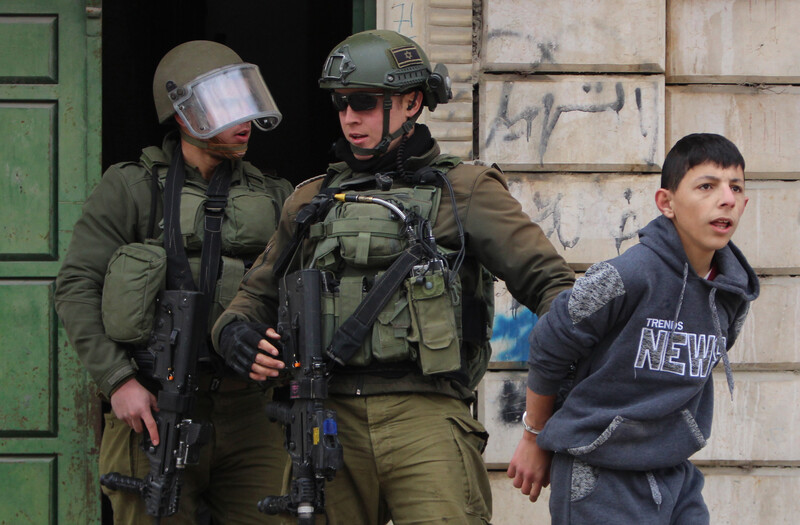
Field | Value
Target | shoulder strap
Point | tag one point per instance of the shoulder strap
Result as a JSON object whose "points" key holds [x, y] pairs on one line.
{"points": [[179, 273], [151, 220], [150, 159], [217, 198]]}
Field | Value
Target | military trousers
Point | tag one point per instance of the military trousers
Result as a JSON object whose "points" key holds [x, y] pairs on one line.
{"points": [[411, 458], [583, 494], [243, 461]]}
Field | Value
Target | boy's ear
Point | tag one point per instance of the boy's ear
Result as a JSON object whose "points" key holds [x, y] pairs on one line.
{"points": [[664, 202]]}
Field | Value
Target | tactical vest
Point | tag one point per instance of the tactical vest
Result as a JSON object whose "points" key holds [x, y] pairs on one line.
{"points": [[251, 216], [137, 271], [423, 321]]}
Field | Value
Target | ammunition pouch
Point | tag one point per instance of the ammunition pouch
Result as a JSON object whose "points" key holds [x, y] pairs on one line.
{"points": [[135, 275], [435, 310], [249, 218]]}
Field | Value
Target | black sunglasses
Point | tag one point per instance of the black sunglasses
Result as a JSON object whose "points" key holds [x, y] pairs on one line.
{"points": [[357, 101]]}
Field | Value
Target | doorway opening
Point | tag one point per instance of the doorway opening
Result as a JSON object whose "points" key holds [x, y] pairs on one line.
{"points": [[289, 41]]}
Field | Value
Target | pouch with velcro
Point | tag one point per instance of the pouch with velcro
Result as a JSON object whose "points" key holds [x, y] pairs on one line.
{"points": [[433, 323], [135, 274]]}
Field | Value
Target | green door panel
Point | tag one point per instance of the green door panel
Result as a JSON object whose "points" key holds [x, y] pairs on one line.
{"points": [[29, 49], [50, 107], [30, 480], [29, 176], [27, 372]]}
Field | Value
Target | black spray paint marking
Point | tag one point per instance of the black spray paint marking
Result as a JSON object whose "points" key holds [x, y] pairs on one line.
{"points": [[546, 208], [552, 208], [621, 236], [512, 401], [638, 93], [499, 33], [503, 119], [546, 49], [551, 113], [654, 144], [550, 123]]}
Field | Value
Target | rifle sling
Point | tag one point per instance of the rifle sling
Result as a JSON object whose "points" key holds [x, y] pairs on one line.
{"points": [[179, 273]]}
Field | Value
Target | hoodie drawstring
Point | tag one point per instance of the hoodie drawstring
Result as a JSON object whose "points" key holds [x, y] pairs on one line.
{"points": [[680, 303], [712, 303], [654, 490]]}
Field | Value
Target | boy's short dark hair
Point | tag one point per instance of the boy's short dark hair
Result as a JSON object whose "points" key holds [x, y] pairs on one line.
{"points": [[696, 149]]}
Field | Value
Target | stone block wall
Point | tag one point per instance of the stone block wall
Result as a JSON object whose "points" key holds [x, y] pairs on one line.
{"points": [[578, 102]]}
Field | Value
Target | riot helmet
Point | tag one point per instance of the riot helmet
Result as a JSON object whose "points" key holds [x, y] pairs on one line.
{"points": [[391, 62], [211, 88]]}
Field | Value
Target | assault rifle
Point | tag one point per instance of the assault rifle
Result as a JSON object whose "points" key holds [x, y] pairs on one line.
{"points": [[311, 432], [173, 348]]}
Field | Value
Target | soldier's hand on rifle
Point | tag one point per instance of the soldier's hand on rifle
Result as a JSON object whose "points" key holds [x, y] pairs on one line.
{"points": [[248, 349], [133, 404]]}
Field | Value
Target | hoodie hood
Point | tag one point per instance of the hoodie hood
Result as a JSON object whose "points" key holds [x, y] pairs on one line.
{"points": [[735, 275]]}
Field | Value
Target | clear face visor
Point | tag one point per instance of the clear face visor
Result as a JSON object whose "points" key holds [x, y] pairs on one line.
{"points": [[224, 98]]}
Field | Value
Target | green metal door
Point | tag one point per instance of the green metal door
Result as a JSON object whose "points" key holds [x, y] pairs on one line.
{"points": [[49, 160]]}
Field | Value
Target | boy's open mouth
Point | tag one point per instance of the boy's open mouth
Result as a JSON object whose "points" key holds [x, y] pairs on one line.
{"points": [[722, 224]]}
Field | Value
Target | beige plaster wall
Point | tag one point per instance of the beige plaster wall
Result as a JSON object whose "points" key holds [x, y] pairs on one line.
{"points": [[579, 102]]}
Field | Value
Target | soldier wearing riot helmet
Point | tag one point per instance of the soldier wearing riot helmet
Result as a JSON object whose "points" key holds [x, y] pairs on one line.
{"points": [[212, 96], [412, 451]]}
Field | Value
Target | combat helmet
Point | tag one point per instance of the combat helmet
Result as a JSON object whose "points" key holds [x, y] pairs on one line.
{"points": [[391, 62], [211, 88]]}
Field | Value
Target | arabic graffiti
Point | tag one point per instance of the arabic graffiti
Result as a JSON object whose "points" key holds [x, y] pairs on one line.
{"points": [[551, 208], [551, 112], [534, 116], [586, 223]]}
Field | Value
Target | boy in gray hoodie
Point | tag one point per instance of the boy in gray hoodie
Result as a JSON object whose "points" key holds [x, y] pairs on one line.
{"points": [[642, 333]]}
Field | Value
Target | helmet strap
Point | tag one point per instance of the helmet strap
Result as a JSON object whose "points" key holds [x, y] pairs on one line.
{"points": [[388, 138], [215, 147]]}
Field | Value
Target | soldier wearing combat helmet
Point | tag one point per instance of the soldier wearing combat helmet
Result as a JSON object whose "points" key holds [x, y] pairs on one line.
{"points": [[412, 451], [155, 209]]}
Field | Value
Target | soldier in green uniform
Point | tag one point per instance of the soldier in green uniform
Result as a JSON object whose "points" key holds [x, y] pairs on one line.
{"points": [[213, 98], [412, 450]]}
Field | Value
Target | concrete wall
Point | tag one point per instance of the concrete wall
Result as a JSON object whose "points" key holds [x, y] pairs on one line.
{"points": [[578, 103]]}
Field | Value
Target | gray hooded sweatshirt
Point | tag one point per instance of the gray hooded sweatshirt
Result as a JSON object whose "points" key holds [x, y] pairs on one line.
{"points": [[645, 331]]}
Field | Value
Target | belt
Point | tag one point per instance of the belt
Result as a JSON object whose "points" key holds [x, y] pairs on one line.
{"points": [[210, 383]]}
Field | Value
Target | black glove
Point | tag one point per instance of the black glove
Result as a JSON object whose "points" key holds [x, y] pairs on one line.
{"points": [[238, 344]]}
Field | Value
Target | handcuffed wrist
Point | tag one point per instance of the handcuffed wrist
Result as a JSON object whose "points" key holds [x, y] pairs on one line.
{"points": [[528, 428]]}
